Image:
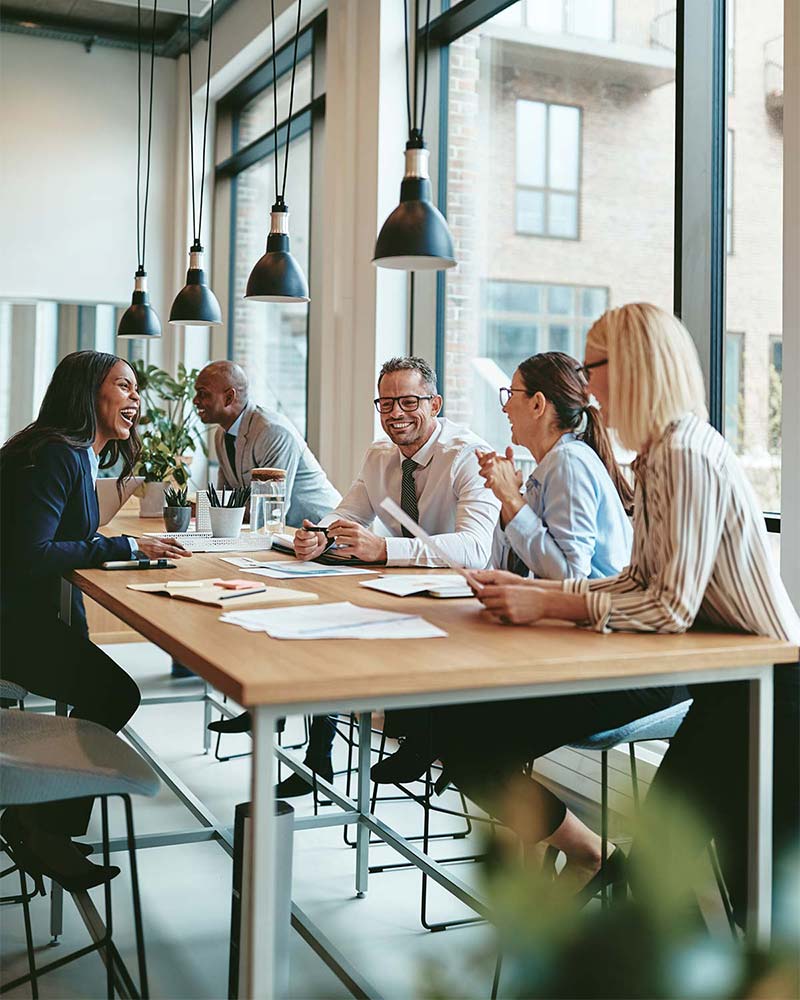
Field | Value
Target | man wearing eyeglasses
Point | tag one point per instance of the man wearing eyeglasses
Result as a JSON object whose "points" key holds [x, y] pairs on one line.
{"points": [[429, 467]]}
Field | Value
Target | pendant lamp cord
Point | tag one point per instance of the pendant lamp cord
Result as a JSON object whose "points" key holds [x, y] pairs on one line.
{"points": [[280, 191], [412, 122], [197, 223], [149, 132]]}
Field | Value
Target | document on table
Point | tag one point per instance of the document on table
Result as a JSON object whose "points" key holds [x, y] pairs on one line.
{"points": [[433, 584], [286, 570], [341, 620]]}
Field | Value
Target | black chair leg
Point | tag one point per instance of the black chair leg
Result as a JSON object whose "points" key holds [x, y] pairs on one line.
{"points": [[496, 980], [109, 912], [604, 817], [26, 911], [137, 904]]}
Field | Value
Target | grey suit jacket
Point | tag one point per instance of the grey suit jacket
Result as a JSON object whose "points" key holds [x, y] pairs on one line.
{"points": [[267, 439]]}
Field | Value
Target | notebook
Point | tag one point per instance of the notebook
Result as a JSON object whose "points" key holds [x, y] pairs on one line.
{"points": [[212, 592]]}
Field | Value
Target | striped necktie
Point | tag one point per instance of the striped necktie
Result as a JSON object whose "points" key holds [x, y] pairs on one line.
{"points": [[408, 493]]}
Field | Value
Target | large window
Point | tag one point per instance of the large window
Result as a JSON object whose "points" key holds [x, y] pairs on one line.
{"points": [[270, 340], [754, 179], [570, 140], [548, 169]]}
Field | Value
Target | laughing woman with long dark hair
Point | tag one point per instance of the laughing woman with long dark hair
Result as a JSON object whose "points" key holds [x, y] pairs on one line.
{"points": [[48, 527]]}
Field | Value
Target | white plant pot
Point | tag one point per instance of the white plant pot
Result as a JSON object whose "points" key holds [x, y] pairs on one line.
{"points": [[226, 522], [151, 501]]}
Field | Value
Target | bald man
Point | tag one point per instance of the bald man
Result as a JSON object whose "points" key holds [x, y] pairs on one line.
{"points": [[251, 438]]}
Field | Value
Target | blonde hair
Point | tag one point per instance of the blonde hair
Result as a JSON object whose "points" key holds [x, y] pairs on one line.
{"points": [[654, 372]]}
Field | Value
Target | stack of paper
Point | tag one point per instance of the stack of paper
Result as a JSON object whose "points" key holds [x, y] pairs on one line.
{"points": [[432, 584], [342, 620], [286, 570]]}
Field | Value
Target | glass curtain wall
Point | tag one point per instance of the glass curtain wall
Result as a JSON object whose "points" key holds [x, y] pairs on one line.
{"points": [[560, 186], [754, 163]]}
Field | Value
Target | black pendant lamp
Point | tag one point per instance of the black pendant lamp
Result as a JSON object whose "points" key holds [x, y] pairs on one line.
{"points": [[277, 277], [195, 304], [140, 318], [415, 237]]}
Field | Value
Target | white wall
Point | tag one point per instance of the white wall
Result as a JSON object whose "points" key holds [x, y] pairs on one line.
{"points": [[68, 173]]}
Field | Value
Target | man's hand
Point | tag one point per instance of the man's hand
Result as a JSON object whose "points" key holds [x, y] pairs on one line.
{"points": [[309, 544], [514, 604], [161, 548], [357, 542]]}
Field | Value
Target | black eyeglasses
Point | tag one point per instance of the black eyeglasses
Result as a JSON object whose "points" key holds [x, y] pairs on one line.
{"points": [[385, 404], [585, 370], [506, 392]]}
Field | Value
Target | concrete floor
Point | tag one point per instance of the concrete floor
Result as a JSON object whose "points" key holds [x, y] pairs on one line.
{"points": [[186, 890]]}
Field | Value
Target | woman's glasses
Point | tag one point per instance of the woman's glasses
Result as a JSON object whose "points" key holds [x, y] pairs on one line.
{"points": [[507, 392], [586, 370]]}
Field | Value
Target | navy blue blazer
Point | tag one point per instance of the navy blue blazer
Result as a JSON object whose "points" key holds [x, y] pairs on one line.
{"points": [[49, 518]]}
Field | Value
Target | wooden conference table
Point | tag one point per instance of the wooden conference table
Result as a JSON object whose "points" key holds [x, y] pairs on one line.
{"points": [[479, 660]]}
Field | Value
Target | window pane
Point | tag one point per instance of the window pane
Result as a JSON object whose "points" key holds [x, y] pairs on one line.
{"points": [[563, 145], [562, 215], [559, 339], [531, 143], [753, 284], [734, 372], [270, 339], [258, 117], [610, 150], [530, 212]]}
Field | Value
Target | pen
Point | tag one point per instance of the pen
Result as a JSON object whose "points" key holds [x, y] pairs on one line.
{"points": [[139, 564]]}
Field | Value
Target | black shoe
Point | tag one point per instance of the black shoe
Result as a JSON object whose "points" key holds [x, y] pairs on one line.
{"points": [[614, 873], [39, 853], [241, 724], [294, 786], [408, 763], [178, 670]]}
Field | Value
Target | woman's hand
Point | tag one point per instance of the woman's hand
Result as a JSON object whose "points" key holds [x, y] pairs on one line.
{"points": [[161, 548], [309, 544], [514, 604], [503, 479], [498, 577]]}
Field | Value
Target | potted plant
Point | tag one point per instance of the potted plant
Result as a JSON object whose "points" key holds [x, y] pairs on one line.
{"points": [[227, 510], [177, 509], [170, 432]]}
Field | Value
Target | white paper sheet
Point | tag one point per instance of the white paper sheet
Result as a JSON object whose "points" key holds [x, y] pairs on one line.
{"points": [[341, 620], [405, 584]]}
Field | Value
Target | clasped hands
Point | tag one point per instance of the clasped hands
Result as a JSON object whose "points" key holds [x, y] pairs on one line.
{"points": [[353, 541]]}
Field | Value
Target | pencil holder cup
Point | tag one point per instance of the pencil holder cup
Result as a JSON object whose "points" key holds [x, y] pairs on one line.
{"points": [[177, 518], [226, 522]]}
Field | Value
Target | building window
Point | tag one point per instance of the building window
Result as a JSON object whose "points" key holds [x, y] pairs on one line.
{"points": [[774, 411], [548, 169], [729, 167], [734, 390], [588, 18]]}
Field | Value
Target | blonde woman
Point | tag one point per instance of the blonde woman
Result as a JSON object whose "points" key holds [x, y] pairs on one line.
{"points": [[700, 554]]}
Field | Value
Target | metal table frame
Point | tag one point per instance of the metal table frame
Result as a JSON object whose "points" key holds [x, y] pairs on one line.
{"points": [[260, 981]]}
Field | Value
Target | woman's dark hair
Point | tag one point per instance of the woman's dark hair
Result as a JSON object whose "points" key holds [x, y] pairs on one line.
{"points": [[557, 377], [68, 414]]}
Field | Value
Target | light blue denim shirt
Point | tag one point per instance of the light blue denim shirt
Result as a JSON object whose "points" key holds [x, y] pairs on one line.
{"points": [[94, 466], [573, 524]]}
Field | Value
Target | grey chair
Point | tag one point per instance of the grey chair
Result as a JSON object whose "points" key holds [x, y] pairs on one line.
{"points": [[9, 691], [48, 758]]}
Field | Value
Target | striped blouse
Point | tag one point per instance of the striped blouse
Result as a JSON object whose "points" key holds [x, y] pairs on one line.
{"points": [[700, 550]]}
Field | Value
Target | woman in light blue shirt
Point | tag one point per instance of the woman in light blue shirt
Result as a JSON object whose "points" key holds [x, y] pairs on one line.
{"points": [[572, 519]]}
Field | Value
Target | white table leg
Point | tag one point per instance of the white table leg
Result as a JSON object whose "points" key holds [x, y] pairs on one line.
{"points": [[262, 867], [362, 833], [759, 857]]}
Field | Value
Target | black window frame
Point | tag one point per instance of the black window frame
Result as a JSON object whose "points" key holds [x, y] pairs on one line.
{"points": [[309, 118]]}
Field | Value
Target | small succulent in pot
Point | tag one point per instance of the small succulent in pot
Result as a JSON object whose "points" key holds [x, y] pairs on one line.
{"points": [[177, 509]]}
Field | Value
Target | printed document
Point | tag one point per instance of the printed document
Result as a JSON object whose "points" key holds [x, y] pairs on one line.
{"points": [[341, 620]]}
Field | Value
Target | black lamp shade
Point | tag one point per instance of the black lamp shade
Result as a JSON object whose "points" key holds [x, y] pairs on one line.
{"points": [[415, 237], [277, 277], [195, 304], [140, 319]]}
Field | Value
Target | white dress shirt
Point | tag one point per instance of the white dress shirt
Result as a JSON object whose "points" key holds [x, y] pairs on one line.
{"points": [[452, 501]]}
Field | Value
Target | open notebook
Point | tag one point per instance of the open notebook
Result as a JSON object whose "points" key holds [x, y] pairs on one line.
{"points": [[213, 592]]}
